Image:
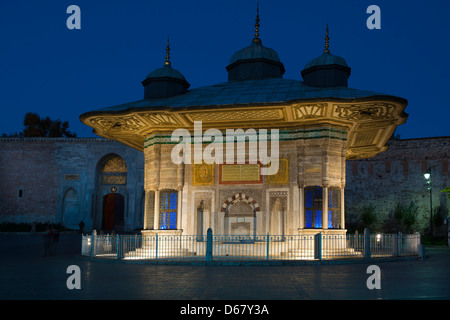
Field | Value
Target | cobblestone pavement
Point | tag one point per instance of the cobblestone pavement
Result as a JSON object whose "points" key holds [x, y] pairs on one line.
{"points": [[26, 274]]}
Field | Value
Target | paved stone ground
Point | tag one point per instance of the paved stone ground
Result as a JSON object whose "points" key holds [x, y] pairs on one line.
{"points": [[26, 274]]}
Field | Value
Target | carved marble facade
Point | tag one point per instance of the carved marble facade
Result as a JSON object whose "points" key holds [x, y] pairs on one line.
{"points": [[309, 157]]}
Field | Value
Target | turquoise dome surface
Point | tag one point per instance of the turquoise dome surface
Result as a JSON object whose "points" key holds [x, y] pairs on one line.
{"points": [[255, 51], [326, 59], [166, 71]]}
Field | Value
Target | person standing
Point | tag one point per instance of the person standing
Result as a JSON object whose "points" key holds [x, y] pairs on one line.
{"points": [[48, 238]]}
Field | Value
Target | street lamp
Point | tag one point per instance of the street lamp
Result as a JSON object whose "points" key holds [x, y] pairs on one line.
{"points": [[427, 176]]}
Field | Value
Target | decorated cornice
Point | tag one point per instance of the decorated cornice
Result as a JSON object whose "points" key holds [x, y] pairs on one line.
{"points": [[368, 123]]}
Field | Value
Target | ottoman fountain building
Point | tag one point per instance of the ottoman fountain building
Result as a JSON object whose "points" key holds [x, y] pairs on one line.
{"points": [[320, 122]]}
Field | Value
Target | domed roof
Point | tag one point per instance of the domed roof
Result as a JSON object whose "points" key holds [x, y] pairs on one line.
{"points": [[255, 62], [255, 51], [166, 72], [165, 81], [326, 59]]}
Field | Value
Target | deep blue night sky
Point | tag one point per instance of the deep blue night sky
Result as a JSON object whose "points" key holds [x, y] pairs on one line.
{"points": [[53, 71]]}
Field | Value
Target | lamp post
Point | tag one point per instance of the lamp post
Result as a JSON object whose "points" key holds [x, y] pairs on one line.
{"points": [[427, 176]]}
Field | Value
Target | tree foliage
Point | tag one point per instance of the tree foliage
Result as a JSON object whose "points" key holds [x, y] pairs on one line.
{"points": [[402, 219], [447, 191], [439, 215], [35, 126], [368, 216]]}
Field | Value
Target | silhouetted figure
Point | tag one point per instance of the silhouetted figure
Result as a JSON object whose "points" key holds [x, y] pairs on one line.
{"points": [[48, 238], [81, 224], [55, 240], [33, 227]]}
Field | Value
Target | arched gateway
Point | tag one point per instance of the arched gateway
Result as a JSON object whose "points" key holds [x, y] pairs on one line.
{"points": [[111, 188]]}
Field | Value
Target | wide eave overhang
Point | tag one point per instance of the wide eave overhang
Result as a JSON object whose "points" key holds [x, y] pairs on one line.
{"points": [[369, 118]]}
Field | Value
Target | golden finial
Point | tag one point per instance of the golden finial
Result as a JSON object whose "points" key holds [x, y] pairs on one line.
{"points": [[167, 63], [327, 42], [256, 39]]}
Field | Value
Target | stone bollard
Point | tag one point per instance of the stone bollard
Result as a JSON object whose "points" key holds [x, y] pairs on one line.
{"points": [[209, 240]]}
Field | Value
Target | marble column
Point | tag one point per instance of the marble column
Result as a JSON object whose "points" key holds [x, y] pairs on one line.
{"points": [[179, 207], [147, 207], [301, 201], [156, 216], [342, 209], [325, 207]]}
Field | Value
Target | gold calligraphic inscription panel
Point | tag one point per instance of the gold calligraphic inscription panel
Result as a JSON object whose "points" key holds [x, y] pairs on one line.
{"points": [[203, 174], [240, 173], [282, 176]]}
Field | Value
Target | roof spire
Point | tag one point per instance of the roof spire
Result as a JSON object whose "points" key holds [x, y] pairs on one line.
{"points": [[167, 63], [257, 39], [327, 42]]}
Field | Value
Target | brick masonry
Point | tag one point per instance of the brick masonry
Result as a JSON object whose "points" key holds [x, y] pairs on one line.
{"points": [[40, 177], [34, 185], [396, 176]]}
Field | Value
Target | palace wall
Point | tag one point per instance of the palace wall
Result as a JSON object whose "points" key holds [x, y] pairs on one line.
{"points": [[43, 179], [55, 179], [396, 176]]}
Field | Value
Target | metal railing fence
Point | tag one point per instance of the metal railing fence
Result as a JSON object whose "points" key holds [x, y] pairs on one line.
{"points": [[249, 248]]}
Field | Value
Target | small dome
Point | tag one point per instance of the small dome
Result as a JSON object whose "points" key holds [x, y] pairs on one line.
{"points": [[165, 81], [255, 62], [326, 59], [326, 70], [166, 72], [255, 51]]}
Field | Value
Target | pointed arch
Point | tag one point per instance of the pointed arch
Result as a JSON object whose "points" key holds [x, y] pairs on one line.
{"points": [[112, 169], [240, 215], [71, 209]]}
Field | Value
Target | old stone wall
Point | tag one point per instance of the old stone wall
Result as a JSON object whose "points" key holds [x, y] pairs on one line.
{"points": [[50, 179], [55, 180], [396, 176], [28, 180]]}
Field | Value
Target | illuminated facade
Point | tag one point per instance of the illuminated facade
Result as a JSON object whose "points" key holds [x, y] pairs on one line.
{"points": [[321, 124]]}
